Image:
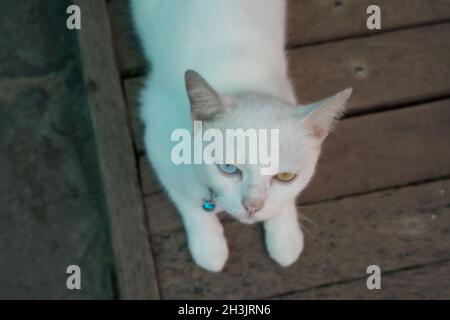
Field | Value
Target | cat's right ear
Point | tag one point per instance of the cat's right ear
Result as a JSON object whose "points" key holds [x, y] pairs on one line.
{"points": [[205, 101], [321, 116]]}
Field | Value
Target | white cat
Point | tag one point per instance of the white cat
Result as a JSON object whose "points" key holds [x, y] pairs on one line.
{"points": [[238, 46]]}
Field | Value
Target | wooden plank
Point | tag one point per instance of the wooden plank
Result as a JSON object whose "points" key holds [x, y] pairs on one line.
{"points": [[383, 150], [325, 20], [398, 68], [308, 22], [393, 229], [385, 70], [367, 153], [431, 282], [135, 266]]}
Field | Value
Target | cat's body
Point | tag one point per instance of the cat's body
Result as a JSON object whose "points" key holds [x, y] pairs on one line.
{"points": [[238, 46]]}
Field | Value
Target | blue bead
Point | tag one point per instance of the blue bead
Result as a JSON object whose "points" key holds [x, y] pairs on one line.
{"points": [[208, 205]]}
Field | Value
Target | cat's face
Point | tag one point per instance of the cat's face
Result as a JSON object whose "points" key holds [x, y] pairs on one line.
{"points": [[241, 189]]}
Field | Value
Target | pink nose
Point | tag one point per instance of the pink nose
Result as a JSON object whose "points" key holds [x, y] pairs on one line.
{"points": [[252, 205]]}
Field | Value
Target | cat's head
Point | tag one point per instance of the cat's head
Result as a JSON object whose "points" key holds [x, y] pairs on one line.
{"points": [[241, 189]]}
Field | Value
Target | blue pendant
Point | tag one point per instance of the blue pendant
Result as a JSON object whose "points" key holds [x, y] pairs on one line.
{"points": [[208, 205]]}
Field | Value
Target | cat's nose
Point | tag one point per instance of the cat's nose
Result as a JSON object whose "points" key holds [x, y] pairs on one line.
{"points": [[253, 205]]}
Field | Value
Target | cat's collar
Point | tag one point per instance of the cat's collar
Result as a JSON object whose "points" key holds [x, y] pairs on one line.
{"points": [[209, 204]]}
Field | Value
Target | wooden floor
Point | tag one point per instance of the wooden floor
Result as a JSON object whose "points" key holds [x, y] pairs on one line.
{"points": [[382, 191]]}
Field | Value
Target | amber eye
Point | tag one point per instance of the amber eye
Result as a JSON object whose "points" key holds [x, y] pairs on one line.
{"points": [[285, 176]]}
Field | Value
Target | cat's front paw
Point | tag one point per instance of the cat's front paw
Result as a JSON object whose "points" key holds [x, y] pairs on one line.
{"points": [[210, 251], [285, 247]]}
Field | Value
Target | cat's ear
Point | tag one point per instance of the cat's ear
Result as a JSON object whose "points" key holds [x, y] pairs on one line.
{"points": [[320, 117], [205, 101]]}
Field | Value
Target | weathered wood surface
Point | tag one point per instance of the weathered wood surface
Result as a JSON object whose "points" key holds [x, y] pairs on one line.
{"points": [[398, 68], [367, 153], [135, 266], [394, 229], [327, 20], [431, 282], [308, 22], [385, 70]]}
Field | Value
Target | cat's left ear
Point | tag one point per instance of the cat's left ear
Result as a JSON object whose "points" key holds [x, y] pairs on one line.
{"points": [[206, 103], [320, 117]]}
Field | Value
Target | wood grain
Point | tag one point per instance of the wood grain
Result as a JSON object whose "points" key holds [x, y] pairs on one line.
{"points": [[308, 22], [430, 282], [328, 20], [135, 266], [393, 229], [385, 70]]}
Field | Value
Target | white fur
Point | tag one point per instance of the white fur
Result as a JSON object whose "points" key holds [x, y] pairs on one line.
{"points": [[238, 47]]}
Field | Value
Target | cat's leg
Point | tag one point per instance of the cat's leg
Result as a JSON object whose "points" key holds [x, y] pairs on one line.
{"points": [[206, 239], [284, 237]]}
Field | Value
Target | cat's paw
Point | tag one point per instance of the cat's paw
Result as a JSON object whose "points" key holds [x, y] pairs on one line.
{"points": [[210, 251], [285, 247]]}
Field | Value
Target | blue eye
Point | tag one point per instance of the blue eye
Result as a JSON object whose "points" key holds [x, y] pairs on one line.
{"points": [[228, 168]]}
